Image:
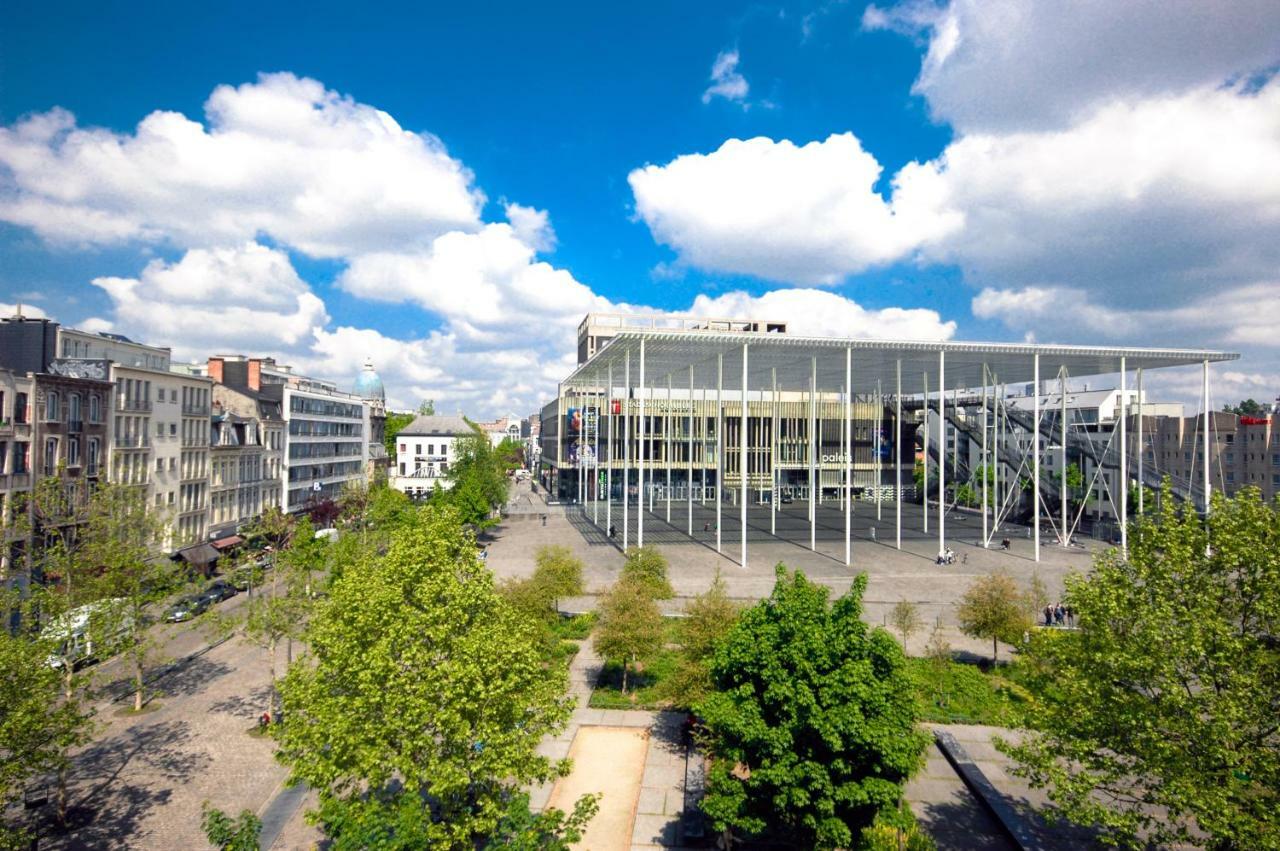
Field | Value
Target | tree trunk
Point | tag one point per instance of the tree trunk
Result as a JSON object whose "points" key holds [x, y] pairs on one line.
{"points": [[271, 693], [63, 795], [137, 682], [624, 675], [995, 651]]}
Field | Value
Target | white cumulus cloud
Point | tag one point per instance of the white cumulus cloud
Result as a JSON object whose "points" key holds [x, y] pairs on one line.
{"points": [[806, 214], [283, 157]]}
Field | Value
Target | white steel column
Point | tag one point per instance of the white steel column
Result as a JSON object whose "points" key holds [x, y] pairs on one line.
{"points": [[878, 443], [689, 477], [840, 490], [1124, 464], [1062, 485], [640, 455], [897, 452], [1142, 450], [608, 470], [743, 443], [626, 449], [667, 422], [813, 442], [942, 451], [1035, 449], [848, 456], [595, 470], [924, 482], [773, 453], [982, 454], [719, 443], [1206, 437]]}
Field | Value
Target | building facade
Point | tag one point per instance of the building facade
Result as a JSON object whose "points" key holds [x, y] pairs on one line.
{"points": [[161, 428], [424, 450]]}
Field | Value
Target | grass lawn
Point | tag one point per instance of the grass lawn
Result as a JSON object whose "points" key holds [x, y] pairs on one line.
{"points": [[575, 628], [646, 687], [965, 694]]}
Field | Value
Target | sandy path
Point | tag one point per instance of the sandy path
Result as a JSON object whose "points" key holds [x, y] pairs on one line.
{"points": [[608, 760]]}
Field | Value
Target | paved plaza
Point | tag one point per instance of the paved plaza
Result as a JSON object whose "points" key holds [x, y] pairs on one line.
{"points": [[907, 574]]}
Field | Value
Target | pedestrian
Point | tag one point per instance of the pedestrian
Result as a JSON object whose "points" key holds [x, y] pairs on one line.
{"points": [[1048, 615], [613, 531], [965, 559], [873, 533], [1071, 617], [706, 527]]}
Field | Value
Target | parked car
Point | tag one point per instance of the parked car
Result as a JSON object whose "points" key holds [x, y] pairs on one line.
{"points": [[220, 589], [786, 499], [186, 608]]}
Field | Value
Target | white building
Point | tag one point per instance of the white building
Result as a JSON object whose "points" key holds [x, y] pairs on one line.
{"points": [[160, 428], [424, 450]]}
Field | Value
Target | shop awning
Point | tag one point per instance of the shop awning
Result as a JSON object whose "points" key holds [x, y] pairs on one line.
{"points": [[227, 542], [200, 554]]}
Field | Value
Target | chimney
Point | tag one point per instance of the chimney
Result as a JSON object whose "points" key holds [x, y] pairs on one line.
{"points": [[255, 374], [215, 369]]}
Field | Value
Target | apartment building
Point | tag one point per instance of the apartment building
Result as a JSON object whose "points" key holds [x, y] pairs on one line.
{"points": [[161, 428], [248, 444], [16, 394]]}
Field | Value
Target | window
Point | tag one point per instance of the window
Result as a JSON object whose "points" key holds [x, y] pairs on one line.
{"points": [[52, 410], [402, 468], [171, 497], [431, 449], [159, 429], [159, 500], [159, 465], [173, 464], [173, 429], [93, 456], [50, 455], [404, 447], [95, 408], [74, 414], [21, 456], [20, 408], [417, 449]]}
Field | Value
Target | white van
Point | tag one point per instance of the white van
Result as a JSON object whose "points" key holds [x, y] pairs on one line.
{"points": [[87, 632]]}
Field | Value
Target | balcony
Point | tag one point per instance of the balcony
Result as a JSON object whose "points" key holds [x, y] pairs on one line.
{"points": [[132, 441], [75, 426], [195, 410], [136, 405], [6, 426], [189, 442]]}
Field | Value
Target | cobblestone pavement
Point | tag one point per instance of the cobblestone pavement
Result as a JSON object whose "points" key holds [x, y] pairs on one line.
{"points": [[142, 781], [893, 575]]}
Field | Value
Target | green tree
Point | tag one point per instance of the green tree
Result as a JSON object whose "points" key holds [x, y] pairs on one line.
{"points": [[812, 727], [647, 566], [38, 724], [558, 573], [427, 408], [268, 620], [521, 829], [396, 423], [630, 627], [120, 538], [1247, 408], [708, 618], [993, 607], [423, 699], [1162, 728], [905, 618], [227, 834], [1037, 597]]}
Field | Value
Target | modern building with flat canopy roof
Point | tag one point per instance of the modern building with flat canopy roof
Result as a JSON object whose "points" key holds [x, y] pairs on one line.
{"points": [[658, 420]]}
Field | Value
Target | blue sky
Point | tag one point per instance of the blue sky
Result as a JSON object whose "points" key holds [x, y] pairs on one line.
{"points": [[1007, 173]]}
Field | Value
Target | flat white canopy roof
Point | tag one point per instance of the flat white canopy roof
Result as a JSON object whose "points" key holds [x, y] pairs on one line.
{"points": [[668, 353]]}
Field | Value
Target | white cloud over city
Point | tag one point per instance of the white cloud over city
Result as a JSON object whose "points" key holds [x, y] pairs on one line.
{"points": [[1152, 178], [284, 168]]}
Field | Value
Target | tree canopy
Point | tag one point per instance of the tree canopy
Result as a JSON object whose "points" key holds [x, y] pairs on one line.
{"points": [[812, 725], [630, 624], [993, 607], [424, 697], [647, 567], [1163, 724]]}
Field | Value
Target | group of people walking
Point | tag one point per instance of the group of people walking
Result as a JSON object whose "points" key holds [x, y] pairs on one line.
{"points": [[1056, 614]]}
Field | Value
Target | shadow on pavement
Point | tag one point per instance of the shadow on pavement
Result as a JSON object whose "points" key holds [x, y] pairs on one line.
{"points": [[111, 783]]}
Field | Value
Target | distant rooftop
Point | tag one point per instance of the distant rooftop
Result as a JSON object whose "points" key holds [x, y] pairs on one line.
{"points": [[435, 425]]}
